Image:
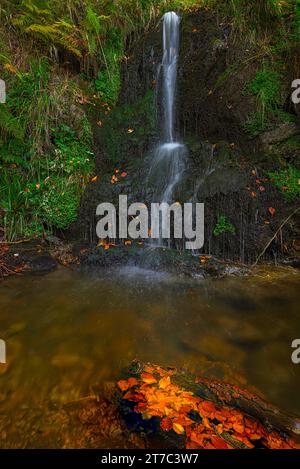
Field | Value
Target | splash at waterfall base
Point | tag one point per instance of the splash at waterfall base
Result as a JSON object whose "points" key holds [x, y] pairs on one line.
{"points": [[159, 227]]}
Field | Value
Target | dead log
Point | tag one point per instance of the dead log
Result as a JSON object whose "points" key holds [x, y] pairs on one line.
{"points": [[227, 414]]}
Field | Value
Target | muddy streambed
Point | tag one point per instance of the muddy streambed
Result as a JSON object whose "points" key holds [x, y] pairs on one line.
{"points": [[68, 332]]}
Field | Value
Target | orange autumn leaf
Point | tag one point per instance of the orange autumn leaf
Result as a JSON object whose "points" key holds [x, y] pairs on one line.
{"points": [[238, 428], [130, 396], [164, 382], [123, 384], [166, 424], [149, 369], [208, 406], [147, 378], [94, 179], [132, 382], [178, 428], [218, 442], [183, 420], [10, 68], [271, 210]]}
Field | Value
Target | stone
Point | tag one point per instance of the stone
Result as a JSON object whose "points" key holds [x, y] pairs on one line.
{"points": [[281, 133]]}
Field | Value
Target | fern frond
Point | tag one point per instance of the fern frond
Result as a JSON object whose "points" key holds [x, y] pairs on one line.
{"points": [[44, 30], [10, 124]]}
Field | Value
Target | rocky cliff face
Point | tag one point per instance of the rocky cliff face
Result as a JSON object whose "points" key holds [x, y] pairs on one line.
{"points": [[227, 170]]}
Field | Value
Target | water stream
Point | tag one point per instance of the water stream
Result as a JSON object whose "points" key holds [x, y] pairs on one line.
{"points": [[69, 331], [168, 163]]}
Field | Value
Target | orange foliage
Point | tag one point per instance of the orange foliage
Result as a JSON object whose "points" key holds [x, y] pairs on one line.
{"points": [[215, 426]]}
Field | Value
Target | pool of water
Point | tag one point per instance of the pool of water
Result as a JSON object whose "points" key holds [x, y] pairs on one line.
{"points": [[69, 331]]}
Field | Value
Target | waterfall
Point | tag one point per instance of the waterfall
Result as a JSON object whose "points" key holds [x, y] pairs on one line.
{"points": [[168, 162], [169, 69]]}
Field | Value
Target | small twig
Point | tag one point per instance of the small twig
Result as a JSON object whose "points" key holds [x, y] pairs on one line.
{"points": [[273, 237], [17, 242]]}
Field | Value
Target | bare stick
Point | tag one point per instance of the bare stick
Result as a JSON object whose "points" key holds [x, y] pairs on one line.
{"points": [[276, 233]]}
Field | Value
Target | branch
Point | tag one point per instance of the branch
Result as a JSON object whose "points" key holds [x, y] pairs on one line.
{"points": [[273, 237]]}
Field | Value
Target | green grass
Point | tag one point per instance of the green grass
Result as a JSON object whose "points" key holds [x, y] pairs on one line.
{"points": [[43, 169], [287, 181]]}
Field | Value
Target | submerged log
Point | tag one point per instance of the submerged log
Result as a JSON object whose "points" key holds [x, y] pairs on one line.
{"points": [[223, 393], [207, 413]]}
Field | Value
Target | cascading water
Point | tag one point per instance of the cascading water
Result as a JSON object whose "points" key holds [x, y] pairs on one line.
{"points": [[168, 163], [169, 68]]}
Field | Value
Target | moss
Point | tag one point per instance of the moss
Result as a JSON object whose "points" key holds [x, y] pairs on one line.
{"points": [[128, 129]]}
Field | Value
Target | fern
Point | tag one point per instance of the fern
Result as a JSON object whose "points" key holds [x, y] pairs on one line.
{"points": [[9, 124], [41, 23]]}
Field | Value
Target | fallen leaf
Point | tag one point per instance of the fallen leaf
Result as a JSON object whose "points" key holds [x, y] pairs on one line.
{"points": [[239, 428], [218, 442], [166, 424], [178, 428], [271, 210], [147, 378], [164, 382], [123, 384], [10, 68]]}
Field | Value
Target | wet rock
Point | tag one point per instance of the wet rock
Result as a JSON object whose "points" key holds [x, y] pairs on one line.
{"points": [[182, 264], [53, 240], [63, 253], [30, 257], [41, 264], [281, 133]]}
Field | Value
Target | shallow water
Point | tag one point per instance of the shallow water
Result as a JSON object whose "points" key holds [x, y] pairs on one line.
{"points": [[67, 331]]}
